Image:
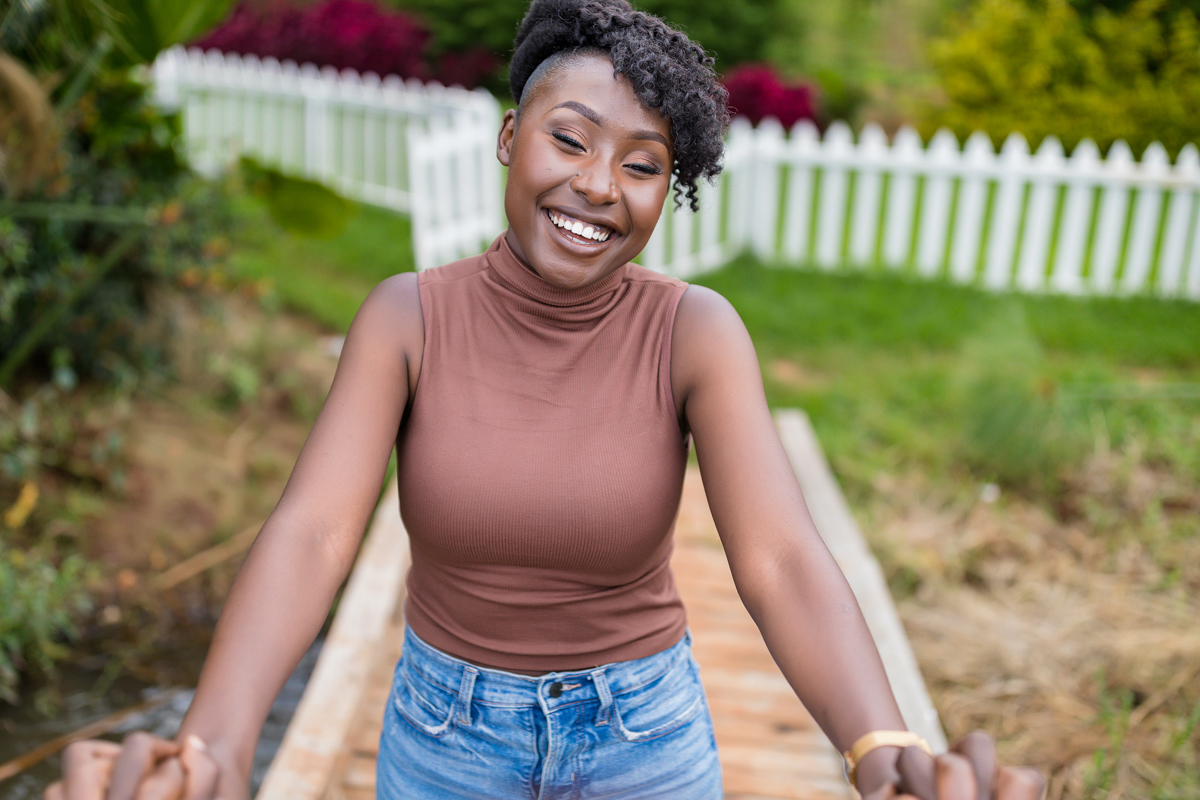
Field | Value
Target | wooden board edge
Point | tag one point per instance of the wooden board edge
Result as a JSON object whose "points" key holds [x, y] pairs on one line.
{"points": [[317, 733], [845, 540]]}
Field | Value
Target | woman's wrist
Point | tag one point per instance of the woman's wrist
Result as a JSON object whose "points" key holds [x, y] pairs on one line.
{"points": [[235, 763]]}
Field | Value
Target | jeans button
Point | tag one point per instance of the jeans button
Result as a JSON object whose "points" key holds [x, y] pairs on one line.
{"points": [[556, 689]]}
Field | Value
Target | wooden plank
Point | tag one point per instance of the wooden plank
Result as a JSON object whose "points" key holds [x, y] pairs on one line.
{"points": [[844, 539], [318, 733], [770, 747]]}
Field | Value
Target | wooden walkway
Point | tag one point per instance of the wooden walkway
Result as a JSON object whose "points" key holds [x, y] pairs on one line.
{"points": [[770, 747]]}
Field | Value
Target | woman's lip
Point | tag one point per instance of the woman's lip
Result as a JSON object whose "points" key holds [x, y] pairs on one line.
{"points": [[577, 243]]}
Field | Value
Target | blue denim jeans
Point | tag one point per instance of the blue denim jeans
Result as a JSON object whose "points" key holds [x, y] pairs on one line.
{"points": [[630, 730]]}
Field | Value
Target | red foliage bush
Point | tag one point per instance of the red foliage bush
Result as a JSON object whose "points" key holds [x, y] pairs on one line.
{"points": [[755, 91], [467, 69], [352, 34]]}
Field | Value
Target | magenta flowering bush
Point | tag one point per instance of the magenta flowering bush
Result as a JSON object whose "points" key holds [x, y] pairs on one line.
{"points": [[756, 92], [340, 33], [352, 34]]}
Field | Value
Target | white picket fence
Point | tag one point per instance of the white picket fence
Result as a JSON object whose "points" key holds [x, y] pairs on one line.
{"points": [[1007, 220], [416, 148], [1013, 220]]}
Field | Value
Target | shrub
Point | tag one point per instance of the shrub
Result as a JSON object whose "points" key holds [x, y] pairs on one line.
{"points": [[350, 34], [39, 602], [1016, 429], [119, 152], [735, 34], [755, 91], [1040, 68], [488, 26]]}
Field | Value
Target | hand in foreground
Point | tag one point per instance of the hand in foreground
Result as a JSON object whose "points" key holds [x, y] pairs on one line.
{"points": [[969, 771], [144, 767]]}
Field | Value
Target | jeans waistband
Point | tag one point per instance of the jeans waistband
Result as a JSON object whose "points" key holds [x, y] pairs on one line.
{"points": [[552, 690]]}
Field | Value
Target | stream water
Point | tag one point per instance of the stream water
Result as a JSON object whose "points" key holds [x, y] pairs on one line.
{"points": [[22, 728]]}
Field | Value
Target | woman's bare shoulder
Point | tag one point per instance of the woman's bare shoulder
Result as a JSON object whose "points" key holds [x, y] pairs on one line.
{"points": [[707, 331], [390, 324], [392, 311]]}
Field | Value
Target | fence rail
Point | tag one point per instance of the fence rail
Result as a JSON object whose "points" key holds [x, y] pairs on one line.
{"points": [[1014, 219], [371, 139], [1009, 220]]}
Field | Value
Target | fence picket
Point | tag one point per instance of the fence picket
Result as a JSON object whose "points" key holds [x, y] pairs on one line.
{"points": [[968, 217], [1193, 272], [418, 147], [901, 197], [1014, 161], [872, 146], [1155, 168], [797, 214], [831, 210], [1110, 227], [710, 253], [682, 258], [1067, 275], [1179, 219], [941, 159], [1039, 218], [768, 150], [741, 183]]}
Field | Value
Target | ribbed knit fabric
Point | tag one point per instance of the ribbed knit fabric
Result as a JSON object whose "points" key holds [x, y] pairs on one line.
{"points": [[541, 467]]}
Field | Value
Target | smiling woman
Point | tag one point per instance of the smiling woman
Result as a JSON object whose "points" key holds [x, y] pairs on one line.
{"points": [[542, 398], [589, 169]]}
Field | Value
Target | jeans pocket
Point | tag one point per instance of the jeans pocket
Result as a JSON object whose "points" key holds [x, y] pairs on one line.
{"points": [[660, 707], [423, 704]]}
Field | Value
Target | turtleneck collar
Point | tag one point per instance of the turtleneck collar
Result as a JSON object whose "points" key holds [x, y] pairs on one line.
{"points": [[511, 271]]}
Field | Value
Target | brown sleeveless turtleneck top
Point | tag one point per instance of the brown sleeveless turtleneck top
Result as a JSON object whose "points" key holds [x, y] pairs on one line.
{"points": [[541, 466]]}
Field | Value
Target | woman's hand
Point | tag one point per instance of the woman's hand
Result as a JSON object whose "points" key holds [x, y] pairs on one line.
{"points": [[144, 767], [969, 771]]}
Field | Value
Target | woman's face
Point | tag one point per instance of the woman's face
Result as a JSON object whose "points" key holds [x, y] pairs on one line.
{"points": [[588, 171]]}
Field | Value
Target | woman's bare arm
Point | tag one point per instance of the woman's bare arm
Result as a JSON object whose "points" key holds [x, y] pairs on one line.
{"points": [[303, 553], [786, 577], [784, 574]]}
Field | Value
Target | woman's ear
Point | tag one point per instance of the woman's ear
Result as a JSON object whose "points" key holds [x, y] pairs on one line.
{"points": [[508, 129]]}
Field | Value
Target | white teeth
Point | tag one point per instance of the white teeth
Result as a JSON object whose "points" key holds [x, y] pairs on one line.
{"points": [[579, 229]]}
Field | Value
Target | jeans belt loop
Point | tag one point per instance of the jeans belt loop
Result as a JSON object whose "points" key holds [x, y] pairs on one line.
{"points": [[606, 700], [465, 691]]}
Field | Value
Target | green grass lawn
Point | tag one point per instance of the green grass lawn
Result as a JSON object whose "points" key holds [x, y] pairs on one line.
{"points": [[324, 278], [892, 370]]}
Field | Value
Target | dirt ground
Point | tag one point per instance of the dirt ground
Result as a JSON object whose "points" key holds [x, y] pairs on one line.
{"points": [[207, 458], [1080, 652]]}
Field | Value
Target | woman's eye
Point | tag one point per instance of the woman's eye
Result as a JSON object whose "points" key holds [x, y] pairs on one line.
{"points": [[562, 137], [648, 169]]}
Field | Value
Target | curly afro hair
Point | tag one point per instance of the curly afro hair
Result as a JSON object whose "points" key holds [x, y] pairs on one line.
{"points": [[668, 72]]}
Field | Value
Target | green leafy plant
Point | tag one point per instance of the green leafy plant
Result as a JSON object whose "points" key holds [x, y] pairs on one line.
{"points": [[40, 601], [1042, 69], [734, 36], [1015, 429]]}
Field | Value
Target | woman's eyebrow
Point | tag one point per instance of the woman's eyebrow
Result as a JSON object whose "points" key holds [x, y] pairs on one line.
{"points": [[596, 119], [583, 110]]}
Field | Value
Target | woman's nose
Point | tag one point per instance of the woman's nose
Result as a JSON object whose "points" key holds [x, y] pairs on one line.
{"points": [[596, 184]]}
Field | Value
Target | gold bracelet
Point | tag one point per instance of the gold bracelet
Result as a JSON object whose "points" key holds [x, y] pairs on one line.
{"points": [[876, 739]]}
